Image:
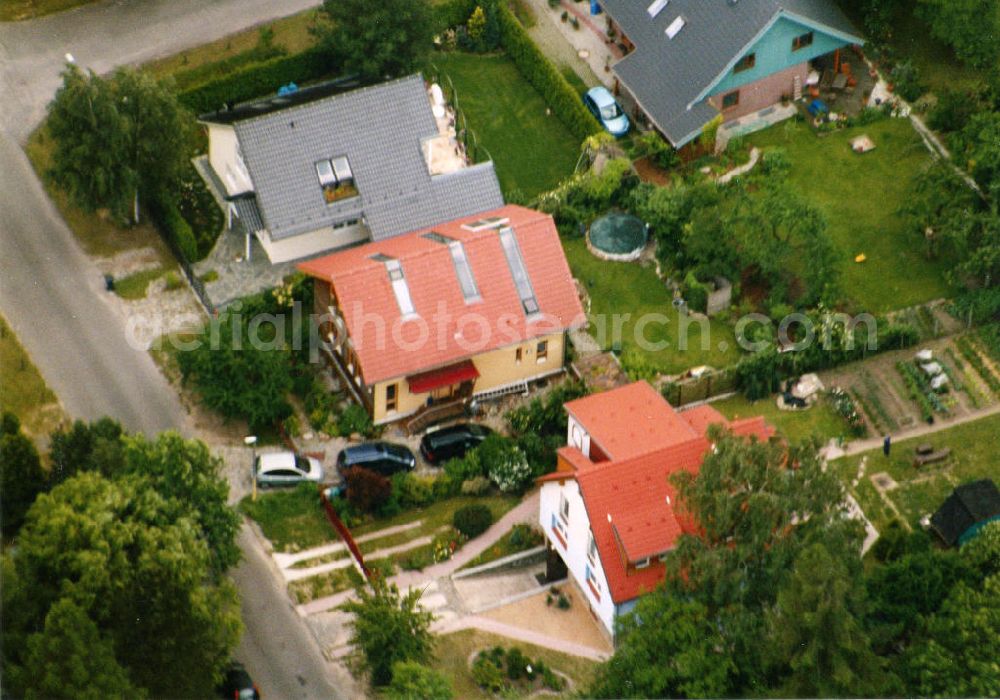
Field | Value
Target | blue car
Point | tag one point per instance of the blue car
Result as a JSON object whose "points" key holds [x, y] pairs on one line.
{"points": [[603, 105]]}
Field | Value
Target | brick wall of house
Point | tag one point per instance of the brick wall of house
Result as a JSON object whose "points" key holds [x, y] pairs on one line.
{"points": [[763, 93]]}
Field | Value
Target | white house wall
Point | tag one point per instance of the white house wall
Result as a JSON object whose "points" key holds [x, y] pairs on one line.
{"points": [[574, 554], [577, 436]]}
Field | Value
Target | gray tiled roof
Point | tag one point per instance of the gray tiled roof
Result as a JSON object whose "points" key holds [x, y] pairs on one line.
{"points": [[379, 129], [248, 213], [667, 76]]}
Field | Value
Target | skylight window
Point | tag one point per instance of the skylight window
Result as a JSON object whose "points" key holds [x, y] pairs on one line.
{"points": [[518, 271], [675, 27], [488, 222], [381, 257], [336, 179], [465, 279], [400, 288], [438, 237], [656, 7]]}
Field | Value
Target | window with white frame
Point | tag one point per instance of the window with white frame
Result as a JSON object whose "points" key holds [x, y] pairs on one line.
{"points": [[564, 507], [592, 549]]}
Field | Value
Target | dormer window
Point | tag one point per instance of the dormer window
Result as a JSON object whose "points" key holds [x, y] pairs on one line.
{"points": [[746, 63], [336, 179]]}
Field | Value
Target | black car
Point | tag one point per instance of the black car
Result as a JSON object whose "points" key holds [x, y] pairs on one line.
{"points": [[237, 684], [441, 445], [385, 458]]}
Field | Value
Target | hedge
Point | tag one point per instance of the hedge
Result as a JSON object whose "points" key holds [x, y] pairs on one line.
{"points": [[257, 81], [177, 230], [539, 71]]}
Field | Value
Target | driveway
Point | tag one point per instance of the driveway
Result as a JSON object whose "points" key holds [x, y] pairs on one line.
{"points": [[52, 294]]}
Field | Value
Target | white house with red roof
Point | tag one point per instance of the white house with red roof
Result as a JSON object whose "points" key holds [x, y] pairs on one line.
{"points": [[609, 510], [422, 322]]}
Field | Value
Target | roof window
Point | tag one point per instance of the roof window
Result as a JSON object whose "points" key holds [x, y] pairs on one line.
{"points": [[487, 223], [518, 271], [438, 237], [464, 273], [400, 288], [336, 179], [675, 27], [657, 7]]}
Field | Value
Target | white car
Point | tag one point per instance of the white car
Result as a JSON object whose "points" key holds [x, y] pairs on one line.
{"points": [[286, 469]]}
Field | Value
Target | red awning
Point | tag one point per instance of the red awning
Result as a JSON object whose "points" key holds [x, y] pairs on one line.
{"points": [[444, 376]]}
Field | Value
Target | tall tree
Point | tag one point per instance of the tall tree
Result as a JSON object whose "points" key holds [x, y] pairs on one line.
{"points": [[667, 647], [377, 40], [21, 475], [815, 630], [960, 655], [118, 140], [86, 447], [971, 27], [388, 628], [70, 659], [758, 505], [140, 570]]}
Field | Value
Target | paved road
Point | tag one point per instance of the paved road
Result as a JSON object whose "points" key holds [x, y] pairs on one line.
{"points": [[52, 294]]}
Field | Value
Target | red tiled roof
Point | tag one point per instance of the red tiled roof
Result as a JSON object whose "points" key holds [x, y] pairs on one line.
{"points": [[630, 420], [447, 329], [630, 501], [634, 493]]}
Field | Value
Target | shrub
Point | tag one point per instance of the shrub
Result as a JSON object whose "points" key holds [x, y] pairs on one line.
{"points": [[545, 77], [172, 281], [907, 79], [366, 490], [461, 469], [695, 293], [473, 520], [417, 560], [174, 227], [517, 664], [659, 152], [414, 681], [257, 81], [505, 463], [476, 486], [412, 491], [487, 674], [354, 419]]}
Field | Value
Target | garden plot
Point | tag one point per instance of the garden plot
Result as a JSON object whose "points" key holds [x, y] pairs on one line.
{"points": [[896, 391]]}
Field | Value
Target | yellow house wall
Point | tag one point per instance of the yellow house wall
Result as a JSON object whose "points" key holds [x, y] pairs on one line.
{"points": [[496, 368], [222, 157]]}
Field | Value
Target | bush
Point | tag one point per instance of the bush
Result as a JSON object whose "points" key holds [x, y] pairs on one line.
{"points": [[414, 681], [174, 227], [476, 486], [196, 204], [473, 520], [907, 79], [517, 664], [505, 463], [417, 560], [412, 491], [354, 419], [545, 77], [659, 152], [257, 81], [695, 293], [487, 674], [366, 490], [461, 469]]}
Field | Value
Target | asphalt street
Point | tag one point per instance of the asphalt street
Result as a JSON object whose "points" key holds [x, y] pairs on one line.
{"points": [[53, 295]]}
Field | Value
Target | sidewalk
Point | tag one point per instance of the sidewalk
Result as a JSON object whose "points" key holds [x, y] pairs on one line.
{"points": [[525, 512]]}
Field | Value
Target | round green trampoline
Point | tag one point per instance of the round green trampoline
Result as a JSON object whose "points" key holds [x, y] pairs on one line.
{"points": [[617, 237]]}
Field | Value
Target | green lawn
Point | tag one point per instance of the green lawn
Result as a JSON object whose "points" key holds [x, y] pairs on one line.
{"points": [[134, 286], [23, 391], [532, 150], [294, 520], [819, 420], [453, 651], [635, 290], [861, 196], [921, 491]]}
